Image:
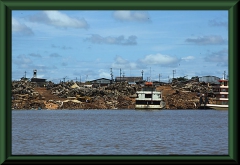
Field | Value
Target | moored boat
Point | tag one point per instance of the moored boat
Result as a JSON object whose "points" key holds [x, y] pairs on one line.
{"points": [[149, 98], [220, 92], [216, 107]]}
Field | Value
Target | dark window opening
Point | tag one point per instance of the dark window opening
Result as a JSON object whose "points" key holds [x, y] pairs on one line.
{"points": [[147, 102], [148, 95]]}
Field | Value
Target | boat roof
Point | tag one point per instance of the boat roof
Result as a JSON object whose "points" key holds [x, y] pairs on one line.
{"points": [[222, 80], [148, 83]]}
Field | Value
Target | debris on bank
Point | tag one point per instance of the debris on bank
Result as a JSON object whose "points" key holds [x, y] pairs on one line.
{"points": [[120, 95]]}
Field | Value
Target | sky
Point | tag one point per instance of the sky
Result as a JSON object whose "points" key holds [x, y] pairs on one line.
{"points": [[87, 45]]}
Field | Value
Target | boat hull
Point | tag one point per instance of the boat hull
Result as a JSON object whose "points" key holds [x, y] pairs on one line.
{"points": [[151, 106], [148, 107], [215, 106]]}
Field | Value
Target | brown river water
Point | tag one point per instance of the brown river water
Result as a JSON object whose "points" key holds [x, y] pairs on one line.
{"points": [[119, 132]]}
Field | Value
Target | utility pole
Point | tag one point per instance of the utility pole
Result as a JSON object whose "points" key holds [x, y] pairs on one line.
{"points": [[174, 71], [64, 79], [120, 74], [76, 79], [111, 73], [224, 74], [159, 78], [142, 74], [150, 75]]}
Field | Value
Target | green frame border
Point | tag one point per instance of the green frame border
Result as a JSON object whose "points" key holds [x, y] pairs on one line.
{"points": [[6, 6]]}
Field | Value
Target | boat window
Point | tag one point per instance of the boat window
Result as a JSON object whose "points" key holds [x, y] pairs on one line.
{"points": [[225, 83], [148, 95], [141, 102], [156, 103]]}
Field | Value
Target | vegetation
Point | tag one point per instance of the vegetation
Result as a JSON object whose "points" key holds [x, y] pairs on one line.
{"points": [[180, 79]]}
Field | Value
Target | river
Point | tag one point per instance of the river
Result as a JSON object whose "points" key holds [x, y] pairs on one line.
{"points": [[119, 132]]}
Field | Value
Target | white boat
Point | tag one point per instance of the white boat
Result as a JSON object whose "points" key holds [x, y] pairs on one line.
{"points": [[220, 92], [217, 107], [149, 98]]}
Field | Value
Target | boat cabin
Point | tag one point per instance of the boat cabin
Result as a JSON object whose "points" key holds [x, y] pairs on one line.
{"points": [[149, 98]]}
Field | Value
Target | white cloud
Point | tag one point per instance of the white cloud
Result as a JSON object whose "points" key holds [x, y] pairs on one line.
{"points": [[218, 23], [97, 39], [159, 59], [207, 40], [64, 64], [40, 76], [58, 19], [54, 55], [119, 62], [188, 58], [124, 15], [20, 28], [22, 61], [104, 74], [61, 47], [35, 55], [219, 57]]}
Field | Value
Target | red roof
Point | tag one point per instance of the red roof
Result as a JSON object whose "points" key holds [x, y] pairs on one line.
{"points": [[222, 80], [148, 83]]}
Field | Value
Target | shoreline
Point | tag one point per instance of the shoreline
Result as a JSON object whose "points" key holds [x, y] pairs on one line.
{"points": [[27, 95], [110, 109]]}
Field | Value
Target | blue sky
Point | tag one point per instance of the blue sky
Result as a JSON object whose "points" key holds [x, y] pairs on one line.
{"points": [[86, 44]]}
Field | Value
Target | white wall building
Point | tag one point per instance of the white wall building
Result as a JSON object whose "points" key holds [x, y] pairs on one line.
{"points": [[209, 79]]}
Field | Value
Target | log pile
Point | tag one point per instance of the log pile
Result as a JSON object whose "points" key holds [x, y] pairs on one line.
{"points": [[70, 95]]}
